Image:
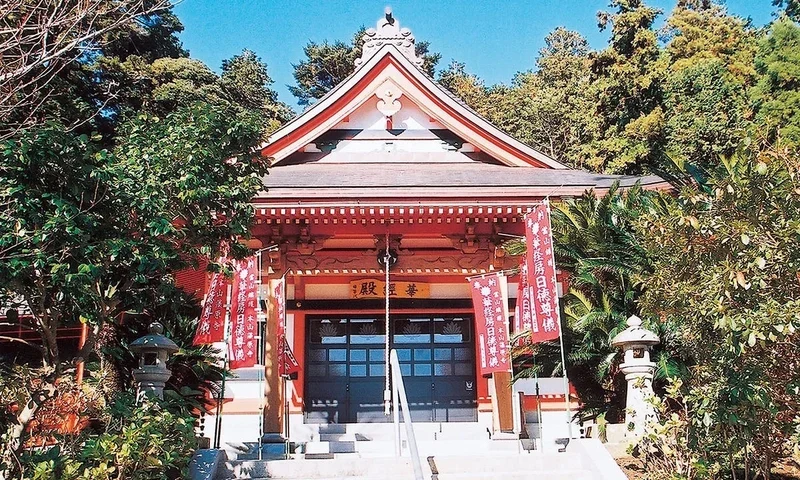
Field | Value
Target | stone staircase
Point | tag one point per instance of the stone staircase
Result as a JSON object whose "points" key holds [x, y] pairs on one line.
{"points": [[508, 467], [447, 451], [377, 440]]}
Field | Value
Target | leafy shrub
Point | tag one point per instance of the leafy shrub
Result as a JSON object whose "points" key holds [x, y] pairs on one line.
{"points": [[666, 447], [151, 440]]}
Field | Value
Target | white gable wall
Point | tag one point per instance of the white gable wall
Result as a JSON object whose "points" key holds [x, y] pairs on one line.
{"points": [[410, 118], [391, 145], [367, 117]]}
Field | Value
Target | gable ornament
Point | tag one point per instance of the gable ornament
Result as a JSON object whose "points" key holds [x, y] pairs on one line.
{"points": [[388, 31], [388, 98]]}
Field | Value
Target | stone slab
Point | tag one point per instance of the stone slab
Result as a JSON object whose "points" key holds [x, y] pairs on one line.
{"points": [[205, 463]]}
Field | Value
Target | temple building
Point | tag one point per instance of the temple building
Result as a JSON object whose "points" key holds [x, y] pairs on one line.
{"points": [[388, 160]]}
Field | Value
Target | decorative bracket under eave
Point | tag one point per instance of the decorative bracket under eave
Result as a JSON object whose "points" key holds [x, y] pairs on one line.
{"points": [[470, 242]]}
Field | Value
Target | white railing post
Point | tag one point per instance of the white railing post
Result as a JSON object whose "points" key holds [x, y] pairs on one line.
{"points": [[397, 380], [398, 445]]}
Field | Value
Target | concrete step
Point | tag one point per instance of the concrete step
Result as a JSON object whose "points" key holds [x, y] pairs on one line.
{"points": [[377, 439], [343, 437], [384, 431], [489, 464], [249, 450], [545, 475], [236, 450], [425, 447], [318, 469], [339, 428], [585, 459], [541, 466], [523, 475], [331, 447], [423, 431]]}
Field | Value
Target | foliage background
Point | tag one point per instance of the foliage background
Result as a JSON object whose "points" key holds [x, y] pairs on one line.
{"points": [[136, 160]]}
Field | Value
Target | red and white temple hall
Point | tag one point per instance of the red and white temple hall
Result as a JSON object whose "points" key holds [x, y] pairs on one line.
{"points": [[388, 156]]}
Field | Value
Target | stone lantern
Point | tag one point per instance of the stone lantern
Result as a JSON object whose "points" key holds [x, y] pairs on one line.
{"points": [[636, 342], [154, 349]]}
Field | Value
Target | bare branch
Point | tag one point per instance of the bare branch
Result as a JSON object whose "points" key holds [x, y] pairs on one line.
{"points": [[38, 348], [38, 39]]}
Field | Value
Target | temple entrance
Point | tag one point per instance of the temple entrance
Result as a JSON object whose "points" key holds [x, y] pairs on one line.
{"points": [[345, 368]]}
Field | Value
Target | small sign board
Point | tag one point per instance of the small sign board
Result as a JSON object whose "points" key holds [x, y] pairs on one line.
{"points": [[370, 288]]}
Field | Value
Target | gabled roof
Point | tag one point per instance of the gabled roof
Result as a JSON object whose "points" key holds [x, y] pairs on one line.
{"points": [[347, 149], [390, 66], [477, 180]]}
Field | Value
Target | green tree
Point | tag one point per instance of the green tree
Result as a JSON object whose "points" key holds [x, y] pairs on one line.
{"points": [[790, 7], [725, 266], [149, 440], [597, 246], [93, 224], [466, 86], [549, 108], [87, 233], [161, 86], [709, 67], [111, 83], [626, 134], [776, 96], [546, 108], [170, 84], [152, 36], [140, 66], [44, 47], [328, 64], [167, 84], [708, 32], [707, 112]]}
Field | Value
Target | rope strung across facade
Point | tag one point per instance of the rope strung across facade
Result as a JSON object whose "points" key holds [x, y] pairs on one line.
{"points": [[387, 394]]}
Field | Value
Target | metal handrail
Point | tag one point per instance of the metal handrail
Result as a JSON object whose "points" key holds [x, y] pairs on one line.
{"points": [[399, 390]]}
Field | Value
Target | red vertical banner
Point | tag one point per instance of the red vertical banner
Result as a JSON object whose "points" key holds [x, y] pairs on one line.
{"points": [[287, 363], [244, 323], [211, 327], [523, 315], [541, 275], [280, 321], [490, 301]]}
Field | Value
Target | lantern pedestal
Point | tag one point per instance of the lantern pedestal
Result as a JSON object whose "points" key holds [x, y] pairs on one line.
{"points": [[638, 409], [636, 342], [151, 380]]}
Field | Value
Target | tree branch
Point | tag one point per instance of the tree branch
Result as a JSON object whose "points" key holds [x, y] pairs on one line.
{"points": [[38, 348], [38, 40]]}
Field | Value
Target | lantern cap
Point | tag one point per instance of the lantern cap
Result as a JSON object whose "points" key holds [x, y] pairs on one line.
{"points": [[635, 334], [155, 340]]}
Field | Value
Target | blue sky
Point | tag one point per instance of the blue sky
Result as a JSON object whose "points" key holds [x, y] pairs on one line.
{"points": [[495, 39]]}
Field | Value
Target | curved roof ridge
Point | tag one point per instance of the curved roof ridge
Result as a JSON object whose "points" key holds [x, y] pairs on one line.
{"points": [[496, 143]]}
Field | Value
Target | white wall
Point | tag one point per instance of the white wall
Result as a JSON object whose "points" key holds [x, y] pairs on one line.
{"points": [[235, 428]]}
